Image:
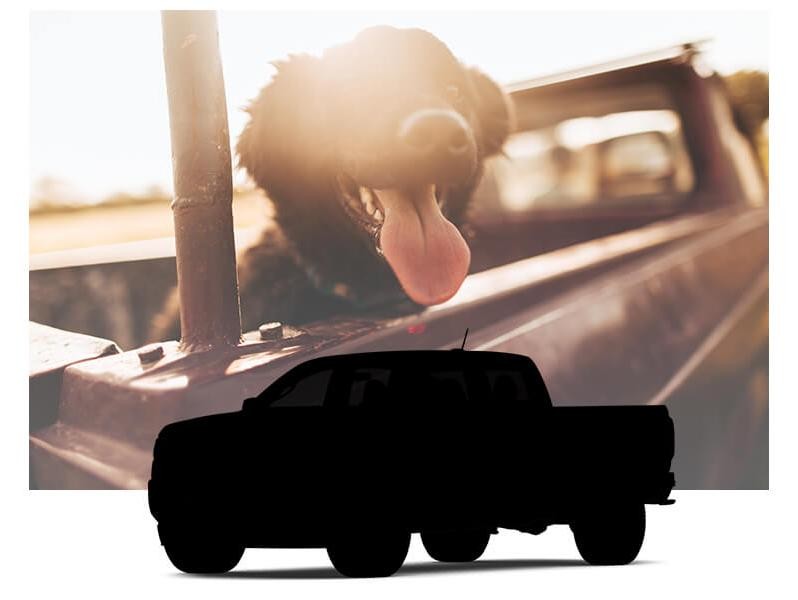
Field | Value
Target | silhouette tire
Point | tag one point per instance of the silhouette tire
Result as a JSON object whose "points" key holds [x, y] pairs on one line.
{"points": [[455, 546], [369, 553], [201, 552], [611, 536]]}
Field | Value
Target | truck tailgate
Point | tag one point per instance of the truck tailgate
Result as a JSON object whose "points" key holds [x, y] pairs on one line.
{"points": [[613, 449]]}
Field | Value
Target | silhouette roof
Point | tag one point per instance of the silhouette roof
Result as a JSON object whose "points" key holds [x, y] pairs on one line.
{"points": [[397, 357]]}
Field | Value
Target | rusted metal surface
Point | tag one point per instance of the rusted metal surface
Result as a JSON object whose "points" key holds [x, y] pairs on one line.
{"points": [[202, 207], [610, 348], [678, 54], [65, 457], [615, 337], [51, 351], [721, 402]]}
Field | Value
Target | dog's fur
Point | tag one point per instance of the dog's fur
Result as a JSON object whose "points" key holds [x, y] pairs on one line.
{"points": [[320, 133]]}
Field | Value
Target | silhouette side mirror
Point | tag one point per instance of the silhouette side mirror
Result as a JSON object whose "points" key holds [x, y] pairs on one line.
{"points": [[249, 404]]}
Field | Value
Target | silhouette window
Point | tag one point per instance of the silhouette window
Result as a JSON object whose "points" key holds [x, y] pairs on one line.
{"points": [[309, 390], [449, 386], [369, 387], [508, 386]]}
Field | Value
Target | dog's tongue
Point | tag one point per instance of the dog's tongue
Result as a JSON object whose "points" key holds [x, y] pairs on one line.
{"points": [[426, 252]]}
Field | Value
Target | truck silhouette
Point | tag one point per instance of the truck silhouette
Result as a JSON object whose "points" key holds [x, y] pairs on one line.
{"points": [[353, 453]]}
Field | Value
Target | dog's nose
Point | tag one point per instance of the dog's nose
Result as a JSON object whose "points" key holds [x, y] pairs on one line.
{"points": [[433, 130]]}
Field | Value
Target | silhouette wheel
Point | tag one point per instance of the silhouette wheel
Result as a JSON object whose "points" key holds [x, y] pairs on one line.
{"points": [[610, 536], [376, 552], [202, 552], [455, 546]]}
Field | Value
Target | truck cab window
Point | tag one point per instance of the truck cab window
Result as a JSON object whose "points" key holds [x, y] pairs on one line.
{"points": [[447, 386], [603, 150], [369, 387], [508, 387], [309, 390]]}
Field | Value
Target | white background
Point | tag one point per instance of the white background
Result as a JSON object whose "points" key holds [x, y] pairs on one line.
{"points": [[709, 544], [104, 545]]}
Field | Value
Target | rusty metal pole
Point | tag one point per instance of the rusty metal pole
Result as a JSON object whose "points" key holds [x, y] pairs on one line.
{"points": [[203, 187]]}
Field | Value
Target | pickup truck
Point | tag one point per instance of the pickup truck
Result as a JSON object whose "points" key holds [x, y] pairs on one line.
{"points": [[355, 452]]}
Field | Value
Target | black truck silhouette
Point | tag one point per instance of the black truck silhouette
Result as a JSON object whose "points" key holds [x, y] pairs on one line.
{"points": [[353, 453]]}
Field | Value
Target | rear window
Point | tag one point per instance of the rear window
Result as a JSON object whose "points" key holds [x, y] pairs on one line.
{"points": [[507, 387], [448, 386], [593, 151], [594, 165]]}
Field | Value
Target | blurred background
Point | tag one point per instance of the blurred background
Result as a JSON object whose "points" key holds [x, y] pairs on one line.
{"points": [[101, 170]]}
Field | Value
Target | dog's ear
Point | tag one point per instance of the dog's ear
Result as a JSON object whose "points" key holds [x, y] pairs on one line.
{"points": [[494, 109], [286, 140]]}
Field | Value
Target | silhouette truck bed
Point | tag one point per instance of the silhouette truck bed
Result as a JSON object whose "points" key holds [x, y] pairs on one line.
{"points": [[355, 452]]}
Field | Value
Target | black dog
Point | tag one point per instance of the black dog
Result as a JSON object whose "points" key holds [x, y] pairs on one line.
{"points": [[370, 155]]}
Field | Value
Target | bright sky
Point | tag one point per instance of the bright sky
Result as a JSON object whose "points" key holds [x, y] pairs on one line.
{"points": [[98, 100]]}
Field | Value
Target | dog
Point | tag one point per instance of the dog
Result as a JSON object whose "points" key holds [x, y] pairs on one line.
{"points": [[370, 155]]}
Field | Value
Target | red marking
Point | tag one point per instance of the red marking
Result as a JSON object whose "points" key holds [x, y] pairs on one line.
{"points": [[414, 329]]}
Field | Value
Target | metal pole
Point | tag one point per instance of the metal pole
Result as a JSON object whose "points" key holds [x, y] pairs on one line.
{"points": [[203, 187]]}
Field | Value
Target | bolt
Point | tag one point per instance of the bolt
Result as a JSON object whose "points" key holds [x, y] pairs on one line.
{"points": [[150, 353], [271, 331]]}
